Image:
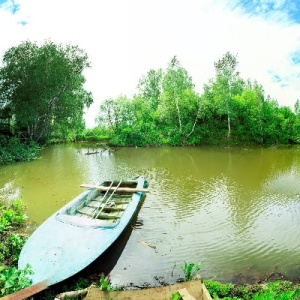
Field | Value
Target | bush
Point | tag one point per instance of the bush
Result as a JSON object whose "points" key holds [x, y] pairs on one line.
{"points": [[11, 243], [12, 279], [13, 150], [94, 134]]}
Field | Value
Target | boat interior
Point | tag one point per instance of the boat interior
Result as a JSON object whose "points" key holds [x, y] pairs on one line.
{"points": [[101, 207]]}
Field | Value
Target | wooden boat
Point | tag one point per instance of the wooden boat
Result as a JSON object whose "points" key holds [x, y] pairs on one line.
{"points": [[81, 231]]}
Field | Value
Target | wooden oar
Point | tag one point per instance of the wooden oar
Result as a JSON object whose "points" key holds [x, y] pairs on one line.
{"points": [[27, 292], [120, 189]]}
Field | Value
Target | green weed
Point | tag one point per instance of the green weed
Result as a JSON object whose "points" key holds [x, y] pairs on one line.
{"points": [[190, 270], [176, 296], [105, 284], [279, 290], [12, 279], [217, 289]]}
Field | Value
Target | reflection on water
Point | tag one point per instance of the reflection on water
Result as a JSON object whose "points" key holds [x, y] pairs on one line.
{"points": [[236, 209]]}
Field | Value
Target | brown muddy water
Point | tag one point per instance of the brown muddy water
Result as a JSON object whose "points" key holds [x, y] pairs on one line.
{"points": [[237, 209]]}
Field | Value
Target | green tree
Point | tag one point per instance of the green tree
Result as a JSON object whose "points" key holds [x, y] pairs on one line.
{"points": [[42, 87], [146, 125], [180, 105], [297, 121], [211, 119], [150, 87], [117, 115], [297, 107], [251, 104], [226, 79], [278, 124]]}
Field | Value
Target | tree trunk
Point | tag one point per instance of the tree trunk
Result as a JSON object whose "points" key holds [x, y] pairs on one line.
{"points": [[229, 127]]}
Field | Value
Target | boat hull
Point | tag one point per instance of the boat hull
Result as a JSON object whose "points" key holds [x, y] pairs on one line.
{"points": [[67, 243]]}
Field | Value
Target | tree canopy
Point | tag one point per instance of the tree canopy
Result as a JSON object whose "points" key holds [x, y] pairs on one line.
{"points": [[167, 110], [41, 89]]}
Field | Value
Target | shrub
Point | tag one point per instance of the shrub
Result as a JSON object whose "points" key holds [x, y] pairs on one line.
{"points": [[13, 150]]}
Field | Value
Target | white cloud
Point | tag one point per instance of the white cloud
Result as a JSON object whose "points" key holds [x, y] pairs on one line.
{"points": [[125, 39]]}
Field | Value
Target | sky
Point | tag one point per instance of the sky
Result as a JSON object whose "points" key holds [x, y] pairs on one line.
{"points": [[125, 39]]}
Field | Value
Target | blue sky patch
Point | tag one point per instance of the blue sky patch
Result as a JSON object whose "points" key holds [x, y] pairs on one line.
{"points": [[23, 23], [9, 5], [295, 56], [283, 85], [269, 9], [276, 77]]}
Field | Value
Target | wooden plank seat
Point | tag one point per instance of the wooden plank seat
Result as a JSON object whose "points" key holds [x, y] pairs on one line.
{"points": [[102, 216], [121, 201], [107, 208], [107, 216], [89, 211]]}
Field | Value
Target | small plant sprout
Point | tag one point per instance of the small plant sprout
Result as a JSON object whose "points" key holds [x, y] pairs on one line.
{"points": [[105, 284], [190, 270], [176, 296]]}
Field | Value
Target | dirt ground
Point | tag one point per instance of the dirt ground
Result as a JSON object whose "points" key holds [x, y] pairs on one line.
{"points": [[195, 289]]}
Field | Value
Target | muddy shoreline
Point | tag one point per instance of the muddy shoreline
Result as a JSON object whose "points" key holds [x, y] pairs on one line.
{"points": [[93, 279]]}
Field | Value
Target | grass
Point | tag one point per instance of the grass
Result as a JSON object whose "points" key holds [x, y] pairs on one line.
{"points": [[278, 290]]}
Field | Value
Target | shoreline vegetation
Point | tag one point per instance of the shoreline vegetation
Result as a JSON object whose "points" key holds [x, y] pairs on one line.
{"points": [[13, 224], [38, 110]]}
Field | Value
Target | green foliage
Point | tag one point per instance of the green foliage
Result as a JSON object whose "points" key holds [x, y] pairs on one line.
{"points": [[13, 150], [11, 215], [105, 284], [226, 78], [93, 135], [14, 245], [43, 89], [167, 110], [180, 105], [11, 243], [150, 87], [66, 132], [190, 270], [217, 289], [176, 296], [12, 279], [80, 284], [279, 290]]}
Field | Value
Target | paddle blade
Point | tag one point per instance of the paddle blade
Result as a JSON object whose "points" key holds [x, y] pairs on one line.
{"points": [[27, 292]]}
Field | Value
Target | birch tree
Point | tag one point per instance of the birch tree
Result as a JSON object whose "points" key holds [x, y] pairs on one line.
{"points": [[180, 104], [226, 76]]}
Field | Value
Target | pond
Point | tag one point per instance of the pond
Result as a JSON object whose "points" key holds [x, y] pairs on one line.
{"points": [[237, 209]]}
